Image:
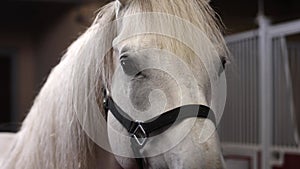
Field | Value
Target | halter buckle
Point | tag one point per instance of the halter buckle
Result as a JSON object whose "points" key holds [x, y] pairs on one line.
{"points": [[139, 134]]}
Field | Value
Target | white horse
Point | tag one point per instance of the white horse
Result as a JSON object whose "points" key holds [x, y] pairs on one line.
{"points": [[5, 143], [65, 128]]}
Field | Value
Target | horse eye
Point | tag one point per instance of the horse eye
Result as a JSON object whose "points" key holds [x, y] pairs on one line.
{"points": [[223, 62], [129, 67]]}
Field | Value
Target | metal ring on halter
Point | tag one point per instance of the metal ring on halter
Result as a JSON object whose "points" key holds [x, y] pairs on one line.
{"points": [[139, 134]]}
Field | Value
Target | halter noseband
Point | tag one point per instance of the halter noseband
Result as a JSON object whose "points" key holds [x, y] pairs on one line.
{"points": [[140, 130]]}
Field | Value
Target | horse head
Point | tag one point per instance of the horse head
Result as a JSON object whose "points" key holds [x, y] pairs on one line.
{"points": [[150, 59], [165, 55]]}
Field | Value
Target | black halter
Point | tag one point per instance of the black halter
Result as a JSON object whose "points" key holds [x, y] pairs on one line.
{"points": [[140, 131]]}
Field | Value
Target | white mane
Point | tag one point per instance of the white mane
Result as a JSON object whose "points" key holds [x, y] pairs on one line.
{"points": [[51, 136]]}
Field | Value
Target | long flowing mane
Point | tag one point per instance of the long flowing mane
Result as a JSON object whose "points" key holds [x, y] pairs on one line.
{"points": [[51, 135]]}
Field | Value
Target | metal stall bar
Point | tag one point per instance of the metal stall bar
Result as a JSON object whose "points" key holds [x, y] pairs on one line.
{"points": [[265, 94]]}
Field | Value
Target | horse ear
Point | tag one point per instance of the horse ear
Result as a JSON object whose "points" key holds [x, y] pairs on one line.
{"points": [[123, 2]]}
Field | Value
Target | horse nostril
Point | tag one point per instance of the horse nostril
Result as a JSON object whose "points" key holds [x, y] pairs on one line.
{"points": [[140, 75]]}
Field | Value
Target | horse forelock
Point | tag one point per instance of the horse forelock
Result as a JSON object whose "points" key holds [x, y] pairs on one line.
{"points": [[197, 12]]}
